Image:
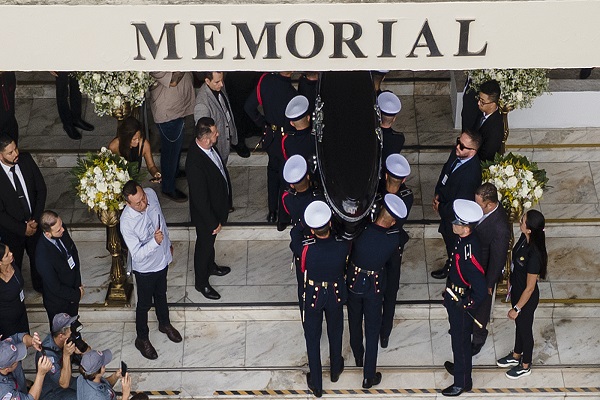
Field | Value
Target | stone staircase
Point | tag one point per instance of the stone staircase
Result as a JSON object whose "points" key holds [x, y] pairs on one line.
{"points": [[250, 343]]}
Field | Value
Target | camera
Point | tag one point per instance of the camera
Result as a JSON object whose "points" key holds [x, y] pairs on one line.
{"points": [[76, 338]]}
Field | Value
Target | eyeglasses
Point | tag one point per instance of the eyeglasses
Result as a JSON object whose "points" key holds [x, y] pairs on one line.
{"points": [[462, 146], [483, 103]]}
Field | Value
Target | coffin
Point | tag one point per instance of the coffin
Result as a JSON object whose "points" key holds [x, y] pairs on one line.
{"points": [[346, 124]]}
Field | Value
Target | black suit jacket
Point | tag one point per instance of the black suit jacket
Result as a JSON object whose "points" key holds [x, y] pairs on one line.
{"points": [[494, 235], [209, 199], [12, 214], [492, 132], [61, 283], [460, 184]]}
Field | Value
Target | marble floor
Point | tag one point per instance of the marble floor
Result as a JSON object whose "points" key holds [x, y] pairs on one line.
{"points": [[252, 338]]}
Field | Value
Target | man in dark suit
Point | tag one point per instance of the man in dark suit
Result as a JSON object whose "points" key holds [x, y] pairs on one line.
{"points": [[8, 122], [459, 179], [209, 187], [58, 264], [493, 231], [490, 123], [22, 201]]}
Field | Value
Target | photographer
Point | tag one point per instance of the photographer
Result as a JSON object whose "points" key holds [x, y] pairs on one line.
{"points": [[92, 385], [59, 346]]}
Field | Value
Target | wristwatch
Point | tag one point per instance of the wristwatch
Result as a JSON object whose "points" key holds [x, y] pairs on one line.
{"points": [[517, 309]]}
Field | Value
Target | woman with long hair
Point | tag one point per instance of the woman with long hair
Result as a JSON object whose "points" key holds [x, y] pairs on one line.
{"points": [[132, 146], [12, 298], [529, 263]]}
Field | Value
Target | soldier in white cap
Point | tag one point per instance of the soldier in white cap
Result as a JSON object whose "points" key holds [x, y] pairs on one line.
{"points": [[300, 140], [92, 385], [294, 201], [12, 378], [366, 283], [323, 263], [398, 170], [390, 106], [465, 290]]}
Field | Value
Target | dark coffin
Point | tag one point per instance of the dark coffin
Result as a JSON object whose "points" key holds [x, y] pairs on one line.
{"points": [[348, 145]]}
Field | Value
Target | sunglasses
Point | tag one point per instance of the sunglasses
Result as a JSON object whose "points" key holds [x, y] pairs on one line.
{"points": [[462, 146]]}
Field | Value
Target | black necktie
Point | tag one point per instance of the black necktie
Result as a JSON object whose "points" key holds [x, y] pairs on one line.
{"points": [[452, 166], [481, 121], [21, 194]]}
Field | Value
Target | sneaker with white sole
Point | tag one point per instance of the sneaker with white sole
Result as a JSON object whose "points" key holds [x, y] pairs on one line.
{"points": [[517, 372], [508, 361]]}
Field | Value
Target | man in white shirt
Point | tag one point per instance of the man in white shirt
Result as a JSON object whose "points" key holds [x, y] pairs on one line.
{"points": [[146, 234]]}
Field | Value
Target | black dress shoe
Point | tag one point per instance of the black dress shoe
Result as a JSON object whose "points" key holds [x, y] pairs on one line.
{"points": [[220, 271], [180, 174], [177, 196], [476, 348], [384, 342], [359, 361], [441, 273], [146, 348], [208, 292], [242, 150], [72, 132], [335, 376], [316, 392], [449, 365], [368, 382], [453, 391], [272, 217], [172, 333], [81, 124], [281, 226], [585, 73]]}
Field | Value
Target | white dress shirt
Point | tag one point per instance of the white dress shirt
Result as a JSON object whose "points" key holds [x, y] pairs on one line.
{"points": [[6, 169], [138, 230]]}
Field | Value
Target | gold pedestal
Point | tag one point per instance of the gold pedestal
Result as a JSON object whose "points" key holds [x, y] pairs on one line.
{"points": [[502, 288], [119, 290]]}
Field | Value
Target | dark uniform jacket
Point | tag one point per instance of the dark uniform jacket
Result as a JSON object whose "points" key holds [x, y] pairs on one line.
{"points": [[393, 142], [467, 273], [61, 283], [324, 260], [492, 132], [494, 234], [12, 214], [300, 142]]}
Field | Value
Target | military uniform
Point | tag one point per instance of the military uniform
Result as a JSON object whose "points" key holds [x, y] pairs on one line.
{"points": [[89, 390], [393, 267], [299, 142], [393, 142], [366, 285], [466, 279], [51, 389], [13, 386], [325, 293]]}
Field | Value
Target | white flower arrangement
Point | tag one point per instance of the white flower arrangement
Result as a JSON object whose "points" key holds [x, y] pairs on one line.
{"points": [[108, 91], [520, 182], [519, 86], [99, 179]]}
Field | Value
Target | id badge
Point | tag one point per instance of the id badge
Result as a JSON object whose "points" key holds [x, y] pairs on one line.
{"points": [[444, 179], [22, 295], [71, 262]]}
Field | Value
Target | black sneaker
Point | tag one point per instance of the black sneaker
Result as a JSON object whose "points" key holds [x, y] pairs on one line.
{"points": [[177, 196], [518, 371], [508, 361]]}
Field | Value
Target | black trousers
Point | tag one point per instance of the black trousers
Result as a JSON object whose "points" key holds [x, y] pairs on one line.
{"points": [[151, 286], [449, 240], [204, 255], [483, 316], [392, 284], [52, 309], [524, 324], [68, 98], [461, 326], [18, 248], [275, 183]]}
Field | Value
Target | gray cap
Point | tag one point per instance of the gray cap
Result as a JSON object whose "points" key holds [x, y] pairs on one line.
{"points": [[466, 212], [297, 108], [317, 214], [397, 166], [93, 360], [294, 169], [11, 352], [61, 321], [389, 103], [395, 206]]}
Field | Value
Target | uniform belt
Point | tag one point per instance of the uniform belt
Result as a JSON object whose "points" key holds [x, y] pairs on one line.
{"points": [[457, 289], [275, 128], [321, 284], [364, 271]]}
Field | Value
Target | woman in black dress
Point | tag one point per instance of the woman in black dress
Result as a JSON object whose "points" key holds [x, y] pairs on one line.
{"points": [[529, 263], [12, 298], [132, 146]]}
